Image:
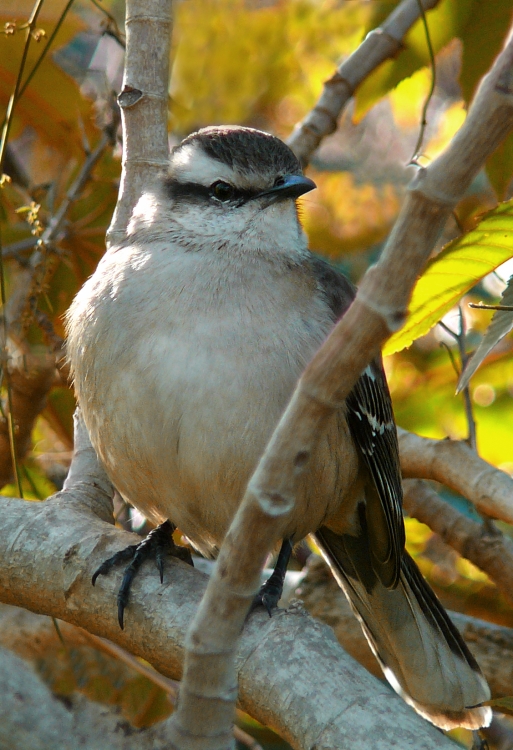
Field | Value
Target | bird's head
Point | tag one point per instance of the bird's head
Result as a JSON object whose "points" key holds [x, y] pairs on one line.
{"points": [[235, 185]]}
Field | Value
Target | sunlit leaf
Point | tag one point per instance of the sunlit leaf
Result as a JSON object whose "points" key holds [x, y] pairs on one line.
{"points": [[478, 25], [450, 123], [457, 268], [408, 97], [52, 110]]}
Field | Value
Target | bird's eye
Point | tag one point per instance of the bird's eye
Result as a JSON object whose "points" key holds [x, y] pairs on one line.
{"points": [[279, 181], [223, 191]]}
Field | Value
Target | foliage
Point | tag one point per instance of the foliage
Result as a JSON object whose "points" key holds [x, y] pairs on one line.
{"points": [[263, 64], [455, 270]]}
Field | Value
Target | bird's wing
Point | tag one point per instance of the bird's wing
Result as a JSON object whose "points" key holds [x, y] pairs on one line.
{"points": [[371, 422]]}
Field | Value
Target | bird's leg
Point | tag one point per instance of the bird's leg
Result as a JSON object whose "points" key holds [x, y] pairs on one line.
{"points": [[271, 591], [156, 545]]}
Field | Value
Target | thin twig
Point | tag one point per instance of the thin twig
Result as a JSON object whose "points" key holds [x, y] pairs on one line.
{"points": [[460, 341], [45, 49], [506, 308], [423, 122], [14, 96], [50, 235], [469, 412], [3, 145]]}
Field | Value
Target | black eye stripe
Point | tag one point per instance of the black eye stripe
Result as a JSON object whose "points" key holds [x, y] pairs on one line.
{"points": [[192, 192]]}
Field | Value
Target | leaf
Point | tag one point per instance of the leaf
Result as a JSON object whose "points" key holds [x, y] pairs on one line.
{"points": [[503, 705], [455, 270], [54, 108], [502, 323]]}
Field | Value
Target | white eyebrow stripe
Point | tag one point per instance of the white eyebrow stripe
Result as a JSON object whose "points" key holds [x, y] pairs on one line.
{"points": [[191, 164]]}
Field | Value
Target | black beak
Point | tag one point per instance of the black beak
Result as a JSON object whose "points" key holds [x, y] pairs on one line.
{"points": [[289, 186]]}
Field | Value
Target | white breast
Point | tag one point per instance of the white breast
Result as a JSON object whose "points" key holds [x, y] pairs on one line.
{"points": [[184, 362]]}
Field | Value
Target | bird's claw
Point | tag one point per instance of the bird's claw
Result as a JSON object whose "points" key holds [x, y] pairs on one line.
{"points": [[158, 544]]}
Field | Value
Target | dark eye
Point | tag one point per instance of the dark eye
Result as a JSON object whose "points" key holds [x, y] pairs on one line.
{"points": [[278, 181], [222, 191]]}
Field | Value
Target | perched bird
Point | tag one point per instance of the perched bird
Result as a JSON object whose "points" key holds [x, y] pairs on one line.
{"points": [[186, 345]]}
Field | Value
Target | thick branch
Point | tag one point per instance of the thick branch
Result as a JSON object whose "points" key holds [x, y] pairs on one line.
{"points": [[48, 552], [30, 716], [381, 44], [456, 465], [378, 309], [143, 102]]}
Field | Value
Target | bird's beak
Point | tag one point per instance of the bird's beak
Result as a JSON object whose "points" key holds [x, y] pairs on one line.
{"points": [[290, 186]]}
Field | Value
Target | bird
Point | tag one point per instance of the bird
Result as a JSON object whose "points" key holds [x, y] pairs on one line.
{"points": [[186, 345]]}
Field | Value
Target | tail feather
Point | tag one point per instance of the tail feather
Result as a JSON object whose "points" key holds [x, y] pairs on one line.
{"points": [[419, 649]]}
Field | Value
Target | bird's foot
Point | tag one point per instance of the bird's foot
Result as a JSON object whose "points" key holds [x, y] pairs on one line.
{"points": [[269, 594], [271, 591], [156, 545]]}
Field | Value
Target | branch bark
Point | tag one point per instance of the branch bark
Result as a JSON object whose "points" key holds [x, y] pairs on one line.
{"points": [[491, 552], [308, 689], [30, 716], [381, 44], [209, 686], [456, 465], [143, 102]]}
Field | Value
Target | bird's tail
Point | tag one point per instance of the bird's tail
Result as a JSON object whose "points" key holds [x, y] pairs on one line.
{"points": [[419, 649]]}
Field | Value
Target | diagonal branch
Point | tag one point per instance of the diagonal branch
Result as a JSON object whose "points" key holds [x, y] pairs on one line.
{"points": [[379, 309], [492, 553], [455, 464], [383, 43]]}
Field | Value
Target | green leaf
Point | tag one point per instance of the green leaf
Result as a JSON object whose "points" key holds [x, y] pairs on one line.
{"points": [[479, 25], [455, 270]]}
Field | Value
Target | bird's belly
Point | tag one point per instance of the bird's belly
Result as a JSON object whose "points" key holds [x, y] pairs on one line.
{"points": [[180, 408]]}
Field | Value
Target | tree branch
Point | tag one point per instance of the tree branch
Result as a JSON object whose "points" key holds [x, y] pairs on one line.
{"points": [[346, 707], [492, 553], [209, 686], [381, 44], [143, 102], [455, 464]]}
